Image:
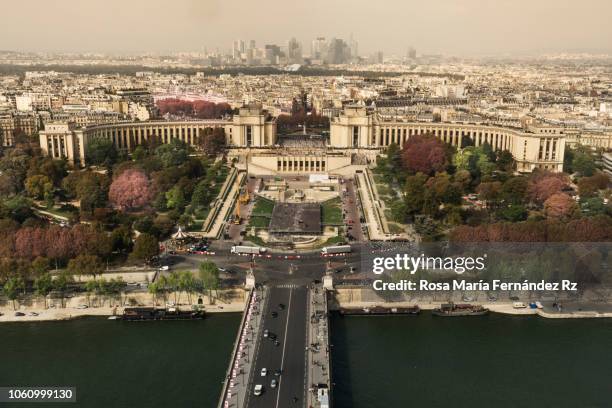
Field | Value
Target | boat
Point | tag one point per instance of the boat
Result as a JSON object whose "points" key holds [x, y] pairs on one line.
{"points": [[381, 311], [154, 313], [114, 317], [452, 309]]}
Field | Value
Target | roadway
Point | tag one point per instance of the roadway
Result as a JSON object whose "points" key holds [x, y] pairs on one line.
{"points": [[289, 355]]}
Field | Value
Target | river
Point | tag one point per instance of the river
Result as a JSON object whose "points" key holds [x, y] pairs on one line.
{"points": [[122, 364], [490, 361]]}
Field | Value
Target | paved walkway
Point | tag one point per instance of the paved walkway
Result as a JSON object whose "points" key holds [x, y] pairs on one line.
{"points": [[319, 377], [226, 207], [236, 386]]}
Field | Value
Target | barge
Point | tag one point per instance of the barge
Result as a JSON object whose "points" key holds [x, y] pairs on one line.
{"points": [[154, 313], [452, 309], [381, 311]]}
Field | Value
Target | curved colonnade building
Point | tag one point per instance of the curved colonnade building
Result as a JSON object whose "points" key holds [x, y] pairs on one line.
{"points": [[357, 135]]}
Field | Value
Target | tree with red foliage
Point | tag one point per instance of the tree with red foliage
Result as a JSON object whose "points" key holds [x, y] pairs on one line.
{"points": [[198, 108], [212, 143], [130, 190], [425, 154], [560, 206], [544, 184]]}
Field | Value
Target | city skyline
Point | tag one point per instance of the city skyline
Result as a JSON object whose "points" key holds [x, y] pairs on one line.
{"points": [[463, 28]]}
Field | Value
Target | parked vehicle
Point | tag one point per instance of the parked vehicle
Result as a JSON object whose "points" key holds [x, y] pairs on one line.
{"points": [[242, 249], [339, 249]]}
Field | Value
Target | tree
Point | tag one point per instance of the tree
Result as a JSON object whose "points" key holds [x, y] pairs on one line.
{"points": [[545, 185], [173, 154], [146, 247], [86, 265], [100, 152], [589, 186], [131, 190], [175, 198], [186, 283], [513, 213], [425, 153], [514, 190], [414, 193], [489, 191], [40, 265], [154, 289], [121, 239], [560, 206], [12, 287], [209, 275], [39, 186], [505, 161], [583, 163], [43, 286], [214, 142]]}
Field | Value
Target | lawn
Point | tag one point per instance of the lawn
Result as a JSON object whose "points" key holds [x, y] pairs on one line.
{"points": [[263, 207], [259, 222], [331, 212]]}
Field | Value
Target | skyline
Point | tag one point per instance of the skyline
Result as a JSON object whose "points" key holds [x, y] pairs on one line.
{"points": [[461, 28]]}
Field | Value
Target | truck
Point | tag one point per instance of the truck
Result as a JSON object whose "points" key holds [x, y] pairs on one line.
{"points": [[339, 249], [242, 249]]}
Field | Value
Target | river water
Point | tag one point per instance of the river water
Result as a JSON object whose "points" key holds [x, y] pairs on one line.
{"points": [[378, 362], [490, 361], [122, 364]]}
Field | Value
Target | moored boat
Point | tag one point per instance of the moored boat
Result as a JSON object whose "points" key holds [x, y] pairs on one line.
{"points": [[452, 309], [381, 311], [153, 313]]}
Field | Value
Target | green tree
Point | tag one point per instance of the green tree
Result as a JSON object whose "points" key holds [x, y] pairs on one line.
{"points": [[414, 193], [43, 286], [173, 154], [85, 264], [175, 198], [101, 152], [12, 287], [584, 163], [514, 190], [209, 275], [39, 186], [60, 284], [146, 247]]}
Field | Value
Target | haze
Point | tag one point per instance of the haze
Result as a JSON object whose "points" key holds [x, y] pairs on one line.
{"points": [[452, 27]]}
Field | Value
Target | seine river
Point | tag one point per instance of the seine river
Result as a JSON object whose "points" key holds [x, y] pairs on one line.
{"points": [[378, 362], [490, 361], [121, 364]]}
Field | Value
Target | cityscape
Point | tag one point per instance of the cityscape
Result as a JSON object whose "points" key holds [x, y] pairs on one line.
{"points": [[260, 215]]}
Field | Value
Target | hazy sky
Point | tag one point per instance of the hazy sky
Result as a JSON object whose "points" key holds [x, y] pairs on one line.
{"points": [[456, 27]]}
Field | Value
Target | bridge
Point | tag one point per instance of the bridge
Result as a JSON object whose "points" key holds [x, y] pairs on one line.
{"points": [[283, 348]]}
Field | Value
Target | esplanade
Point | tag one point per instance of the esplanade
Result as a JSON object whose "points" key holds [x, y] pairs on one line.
{"points": [[357, 135]]}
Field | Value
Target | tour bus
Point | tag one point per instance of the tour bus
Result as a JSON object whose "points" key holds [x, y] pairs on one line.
{"points": [[242, 249], [339, 249]]}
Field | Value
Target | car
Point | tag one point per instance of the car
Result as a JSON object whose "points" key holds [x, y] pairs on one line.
{"points": [[222, 269], [258, 389], [164, 268], [277, 373], [281, 306], [33, 314], [272, 336], [274, 314], [276, 343], [266, 333], [467, 298], [273, 383], [82, 307], [264, 372], [19, 314], [515, 298]]}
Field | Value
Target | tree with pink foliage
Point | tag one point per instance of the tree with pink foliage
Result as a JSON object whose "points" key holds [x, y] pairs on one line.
{"points": [[130, 190], [560, 206], [425, 154], [544, 184]]}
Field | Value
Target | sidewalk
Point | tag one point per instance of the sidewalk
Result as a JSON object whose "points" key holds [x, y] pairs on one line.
{"points": [[318, 364]]}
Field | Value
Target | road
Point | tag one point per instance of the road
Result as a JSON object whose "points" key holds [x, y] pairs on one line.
{"points": [[351, 211], [289, 355]]}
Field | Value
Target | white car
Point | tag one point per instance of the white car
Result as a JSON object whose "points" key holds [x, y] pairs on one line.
{"points": [[258, 389], [264, 372], [164, 268], [273, 383], [266, 333]]}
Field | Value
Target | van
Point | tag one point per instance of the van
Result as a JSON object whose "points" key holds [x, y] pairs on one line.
{"points": [[519, 305]]}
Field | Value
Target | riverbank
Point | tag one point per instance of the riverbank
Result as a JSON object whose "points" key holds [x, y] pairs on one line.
{"points": [[227, 301], [354, 299]]}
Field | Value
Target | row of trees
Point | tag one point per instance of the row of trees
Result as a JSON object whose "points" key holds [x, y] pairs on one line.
{"points": [[194, 109], [185, 282]]}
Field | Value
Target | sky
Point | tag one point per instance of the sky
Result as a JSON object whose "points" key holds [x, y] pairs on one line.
{"points": [[450, 27]]}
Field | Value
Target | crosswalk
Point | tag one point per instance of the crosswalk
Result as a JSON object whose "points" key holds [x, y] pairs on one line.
{"points": [[287, 286]]}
